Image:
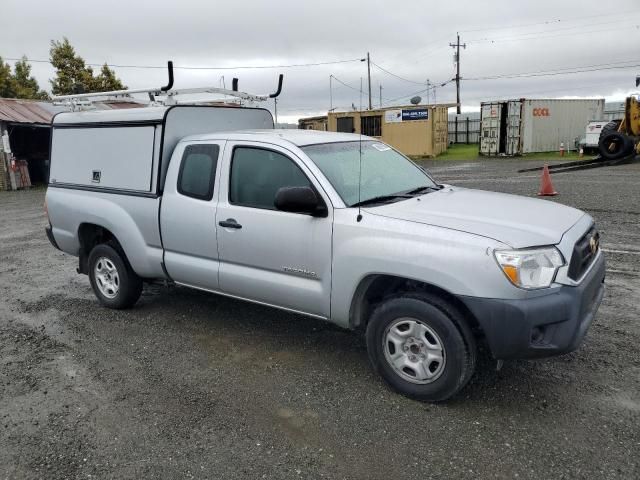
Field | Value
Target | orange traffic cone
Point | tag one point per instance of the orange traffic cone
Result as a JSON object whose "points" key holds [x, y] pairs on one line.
{"points": [[546, 187]]}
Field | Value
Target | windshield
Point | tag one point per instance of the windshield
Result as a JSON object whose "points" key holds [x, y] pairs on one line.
{"points": [[385, 172]]}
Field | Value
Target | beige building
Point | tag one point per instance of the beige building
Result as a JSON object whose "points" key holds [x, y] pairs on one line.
{"points": [[313, 123], [416, 130]]}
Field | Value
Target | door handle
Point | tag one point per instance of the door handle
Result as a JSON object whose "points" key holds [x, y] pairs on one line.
{"points": [[230, 223]]}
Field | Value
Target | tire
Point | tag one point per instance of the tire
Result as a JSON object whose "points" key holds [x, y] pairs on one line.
{"points": [[615, 145], [441, 329], [608, 128], [113, 281]]}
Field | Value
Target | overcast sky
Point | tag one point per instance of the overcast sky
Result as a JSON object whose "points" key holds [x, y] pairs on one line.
{"points": [[407, 38]]}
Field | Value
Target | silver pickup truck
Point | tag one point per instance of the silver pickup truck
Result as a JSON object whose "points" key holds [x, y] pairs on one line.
{"points": [[336, 226]]}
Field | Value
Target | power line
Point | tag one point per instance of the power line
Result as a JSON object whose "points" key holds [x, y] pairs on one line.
{"points": [[432, 47], [550, 22], [563, 71], [565, 89], [397, 76], [352, 87], [240, 67], [538, 36], [430, 52], [432, 87], [346, 84], [576, 27]]}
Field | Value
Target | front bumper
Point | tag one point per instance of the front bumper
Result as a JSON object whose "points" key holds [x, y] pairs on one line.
{"points": [[542, 326]]}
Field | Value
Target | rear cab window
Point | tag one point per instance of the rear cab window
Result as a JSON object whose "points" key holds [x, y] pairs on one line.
{"points": [[198, 171]]}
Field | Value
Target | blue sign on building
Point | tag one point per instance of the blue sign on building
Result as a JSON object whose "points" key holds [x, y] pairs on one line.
{"points": [[415, 114]]}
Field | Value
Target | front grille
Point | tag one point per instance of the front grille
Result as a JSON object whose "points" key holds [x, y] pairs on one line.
{"points": [[584, 252]]}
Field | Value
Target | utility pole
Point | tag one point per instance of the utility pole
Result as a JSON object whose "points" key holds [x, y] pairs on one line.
{"points": [[330, 93], [428, 92], [457, 46], [369, 76], [380, 95]]}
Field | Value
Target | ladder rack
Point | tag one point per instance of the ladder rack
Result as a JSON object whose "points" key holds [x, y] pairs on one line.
{"points": [[163, 95]]}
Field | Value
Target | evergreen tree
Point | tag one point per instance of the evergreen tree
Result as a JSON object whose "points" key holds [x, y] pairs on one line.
{"points": [[27, 86], [7, 84], [107, 81], [20, 84], [74, 76]]}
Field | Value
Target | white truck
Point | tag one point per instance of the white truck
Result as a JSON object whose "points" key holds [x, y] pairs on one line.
{"points": [[590, 141], [336, 226]]}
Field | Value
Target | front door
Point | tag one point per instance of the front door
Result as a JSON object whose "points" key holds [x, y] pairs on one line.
{"points": [[266, 255], [188, 216]]}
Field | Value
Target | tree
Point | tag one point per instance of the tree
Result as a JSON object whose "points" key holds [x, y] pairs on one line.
{"points": [[27, 86], [74, 76], [7, 84], [20, 84], [107, 81]]}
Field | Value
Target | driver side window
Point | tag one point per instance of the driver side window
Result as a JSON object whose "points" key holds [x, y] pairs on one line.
{"points": [[257, 174]]}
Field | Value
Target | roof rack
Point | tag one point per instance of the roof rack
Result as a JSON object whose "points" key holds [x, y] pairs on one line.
{"points": [[163, 95]]}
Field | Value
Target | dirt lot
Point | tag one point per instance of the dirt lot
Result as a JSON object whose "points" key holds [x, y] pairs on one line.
{"points": [[190, 385]]}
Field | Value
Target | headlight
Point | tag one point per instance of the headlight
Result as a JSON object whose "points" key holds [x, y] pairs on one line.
{"points": [[530, 268]]}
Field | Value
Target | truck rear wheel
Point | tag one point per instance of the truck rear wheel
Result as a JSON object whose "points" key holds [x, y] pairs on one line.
{"points": [[113, 281], [420, 345]]}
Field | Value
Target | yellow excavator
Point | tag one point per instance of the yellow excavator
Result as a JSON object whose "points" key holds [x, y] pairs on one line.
{"points": [[621, 138]]}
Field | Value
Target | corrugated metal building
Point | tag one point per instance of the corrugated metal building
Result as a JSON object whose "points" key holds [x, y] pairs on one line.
{"points": [[416, 130], [516, 127], [24, 150]]}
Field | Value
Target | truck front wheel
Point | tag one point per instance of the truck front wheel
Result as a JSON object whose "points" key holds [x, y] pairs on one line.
{"points": [[420, 345], [113, 281]]}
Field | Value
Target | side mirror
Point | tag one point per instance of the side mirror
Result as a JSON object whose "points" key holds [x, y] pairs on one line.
{"points": [[300, 200]]}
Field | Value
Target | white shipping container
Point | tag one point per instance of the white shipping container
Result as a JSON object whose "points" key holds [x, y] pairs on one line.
{"points": [[515, 127]]}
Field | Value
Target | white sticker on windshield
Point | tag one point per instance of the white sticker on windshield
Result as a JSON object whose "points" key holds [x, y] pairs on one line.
{"points": [[381, 147]]}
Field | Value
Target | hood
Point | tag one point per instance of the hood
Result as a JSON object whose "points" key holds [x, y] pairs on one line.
{"points": [[517, 221]]}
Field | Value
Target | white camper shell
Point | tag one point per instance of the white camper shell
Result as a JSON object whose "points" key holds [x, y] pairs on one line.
{"points": [[128, 150]]}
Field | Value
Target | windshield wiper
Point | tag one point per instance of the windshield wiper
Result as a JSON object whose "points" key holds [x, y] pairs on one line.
{"points": [[380, 199], [421, 190]]}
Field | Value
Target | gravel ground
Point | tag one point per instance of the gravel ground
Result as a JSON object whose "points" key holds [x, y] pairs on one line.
{"points": [[190, 385]]}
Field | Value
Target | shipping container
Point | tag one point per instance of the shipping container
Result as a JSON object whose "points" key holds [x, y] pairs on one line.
{"points": [[516, 127]]}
